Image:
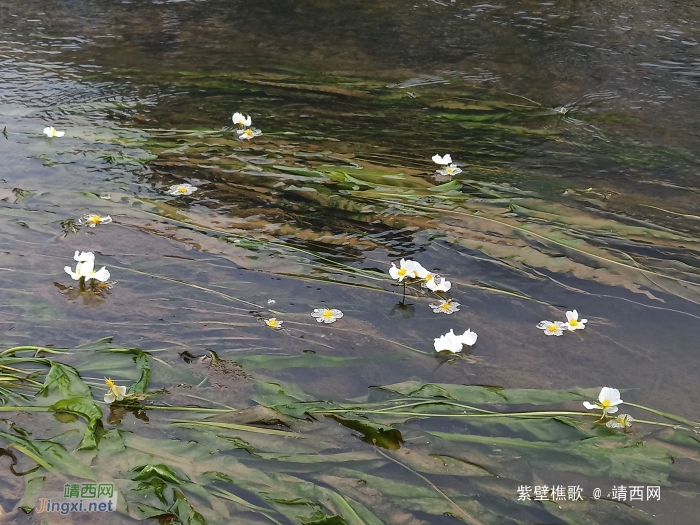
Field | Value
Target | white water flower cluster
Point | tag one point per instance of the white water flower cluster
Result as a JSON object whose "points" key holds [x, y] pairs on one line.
{"points": [[448, 169], [85, 269], [413, 270], [558, 327], [246, 131]]}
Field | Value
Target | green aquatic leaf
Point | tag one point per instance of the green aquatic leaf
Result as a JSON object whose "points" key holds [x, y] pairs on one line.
{"points": [[481, 394], [377, 434], [33, 485], [610, 456], [51, 455], [143, 364], [86, 408], [160, 471]]}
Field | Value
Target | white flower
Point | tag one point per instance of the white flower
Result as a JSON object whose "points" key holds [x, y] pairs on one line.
{"points": [[86, 263], [621, 421], [182, 189], [552, 327], [248, 133], [274, 323], [443, 161], [86, 268], [92, 219], [239, 119], [608, 399], [453, 343], [407, 268], [445, 307], [573, 322], [271, 301], [449, 171], [437, 284], [51, 132], [326, 315], [116, 393]]}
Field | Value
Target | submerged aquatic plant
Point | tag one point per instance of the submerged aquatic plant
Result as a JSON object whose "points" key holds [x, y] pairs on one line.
{"points": [[274, 323], [326, 315], [451, 342], [445, 307], [92, 219], [51, 132], [608, 399], [85, 269], [116, 393], [182, 189], [552, 327], [573, 323]]}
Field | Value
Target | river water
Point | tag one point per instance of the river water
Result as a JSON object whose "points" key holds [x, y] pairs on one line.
{"points": [[574, 128]]}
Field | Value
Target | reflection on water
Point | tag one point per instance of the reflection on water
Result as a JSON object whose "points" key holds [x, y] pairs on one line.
{"points": [[573, 129]]}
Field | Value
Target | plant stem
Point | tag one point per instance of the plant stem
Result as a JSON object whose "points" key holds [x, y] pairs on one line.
{"points": [[667, 416]]}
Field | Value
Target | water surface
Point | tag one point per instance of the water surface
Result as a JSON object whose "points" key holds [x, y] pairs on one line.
{"points": [[574, 128]]}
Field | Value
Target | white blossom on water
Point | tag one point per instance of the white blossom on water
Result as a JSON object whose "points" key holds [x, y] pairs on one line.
{"points": [[326, 315], [451, 342]]}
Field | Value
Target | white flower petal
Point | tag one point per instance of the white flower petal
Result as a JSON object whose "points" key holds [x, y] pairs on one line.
{"points": [[70, 272], [590, 406], [442, 286], [572, 315], [468, 338], [612, 410], [85, 268], [101, 275], [109, 397], [612, 395], [59, 133], [394, 272], [82, 257]]}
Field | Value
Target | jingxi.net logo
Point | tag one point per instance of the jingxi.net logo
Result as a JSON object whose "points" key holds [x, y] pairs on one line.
{"points": [[80, 497]]}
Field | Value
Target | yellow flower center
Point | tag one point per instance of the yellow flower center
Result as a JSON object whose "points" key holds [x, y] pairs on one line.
{"points": [[445, 306], [110, 383], [449, 171], [574, 323], [327, 314], [402, 272], [249, 132], [93, 219], [606, 403], [552, 328], [429, 277], [272, 322], [182, 190]]}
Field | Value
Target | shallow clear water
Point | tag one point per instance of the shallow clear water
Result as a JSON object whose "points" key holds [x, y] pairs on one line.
{"points": [[594, 206]]}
